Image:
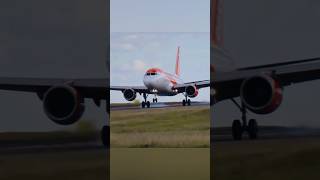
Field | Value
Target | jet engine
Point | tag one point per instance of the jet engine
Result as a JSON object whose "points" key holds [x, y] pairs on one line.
{"points": [[261, 94], [192, 91], [129, 94], [63, 104]]}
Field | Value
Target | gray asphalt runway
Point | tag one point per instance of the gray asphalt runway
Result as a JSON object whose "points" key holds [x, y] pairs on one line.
{"points": [[224, 134], [34, 149], [156, 105]]}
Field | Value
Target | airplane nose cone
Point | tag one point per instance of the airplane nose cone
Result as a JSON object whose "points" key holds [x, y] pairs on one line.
{"points": [[147, 82]]}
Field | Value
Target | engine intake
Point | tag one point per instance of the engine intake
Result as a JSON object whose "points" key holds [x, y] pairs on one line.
{"points": [[63, 104], [129, 94], [261, 94], [192, 91]]}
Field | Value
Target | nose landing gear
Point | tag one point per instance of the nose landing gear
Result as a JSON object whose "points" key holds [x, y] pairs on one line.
{"points": [[155, 99]]}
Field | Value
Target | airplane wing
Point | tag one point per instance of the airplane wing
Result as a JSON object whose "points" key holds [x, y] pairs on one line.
{"points": [[139, 89], [227, 84], [197, 84], [89, 88]]}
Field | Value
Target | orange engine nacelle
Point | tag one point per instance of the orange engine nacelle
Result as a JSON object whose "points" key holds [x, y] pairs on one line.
{"points": [[192, 91], [261, 94]]}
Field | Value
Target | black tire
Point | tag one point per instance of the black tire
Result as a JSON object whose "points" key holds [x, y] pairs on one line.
{"points": [[143, 104], [237, 130], [184, 103], [148, 104], [253, 129], [156, 100], [153, 100], [105, 138], [189, 102]]}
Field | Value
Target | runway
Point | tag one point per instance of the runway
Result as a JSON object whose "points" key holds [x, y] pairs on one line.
{"points": [[224, 134], [54, 161], [54, 148], [49, 142], [155, 105], [278, 153]]}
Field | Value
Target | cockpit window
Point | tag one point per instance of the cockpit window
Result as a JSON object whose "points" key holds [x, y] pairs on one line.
{"points": [[151, 74]]}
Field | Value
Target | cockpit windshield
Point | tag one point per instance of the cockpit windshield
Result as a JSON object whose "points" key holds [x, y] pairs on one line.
{"points": [[151, 74]]}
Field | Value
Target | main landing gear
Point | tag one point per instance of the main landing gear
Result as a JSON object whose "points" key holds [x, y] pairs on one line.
{"points": [[186, 101], [238, 128], [145, 103], [105, 136]]}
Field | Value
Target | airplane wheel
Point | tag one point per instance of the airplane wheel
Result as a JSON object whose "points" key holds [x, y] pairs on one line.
{"points": [[184, 103], [153, 100], [189, 102], [253, 129], [105, 136], [143, 104], [237, 130], [156, 100], [148, 104]]}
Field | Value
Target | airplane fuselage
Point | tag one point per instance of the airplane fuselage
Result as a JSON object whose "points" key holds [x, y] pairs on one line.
{"points": [[160, 82]]}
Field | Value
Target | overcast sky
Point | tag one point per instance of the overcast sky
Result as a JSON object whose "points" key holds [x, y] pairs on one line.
{"points": [[160, 16], [260, 32]]}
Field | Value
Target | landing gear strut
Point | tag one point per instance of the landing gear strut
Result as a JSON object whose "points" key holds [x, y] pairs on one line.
{"points": [[238, 128], [145, 103], [155, 99], [105, 138], [186, 101]]}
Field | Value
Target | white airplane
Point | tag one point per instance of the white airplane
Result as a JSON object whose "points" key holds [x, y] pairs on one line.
{"points": [[161, 83]]}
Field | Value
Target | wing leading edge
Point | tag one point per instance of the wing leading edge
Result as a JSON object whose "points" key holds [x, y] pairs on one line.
{"points": [[139, 89], [89, 88], [227, 84], [198, 84]]}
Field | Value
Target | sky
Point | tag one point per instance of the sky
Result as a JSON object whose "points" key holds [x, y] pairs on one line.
{"points": [[133, 53], [146, 33], [160, 16], [263, 32]]}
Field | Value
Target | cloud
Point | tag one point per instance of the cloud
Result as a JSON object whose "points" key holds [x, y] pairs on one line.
{"points": [[135, 69], [126, 46], [131, 37], [139, 65]]}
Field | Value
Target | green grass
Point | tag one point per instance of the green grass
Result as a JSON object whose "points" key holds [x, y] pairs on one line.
{"points": [[160, 163], [28, 162], [283, 159], [171, 127], [80, 165]]}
